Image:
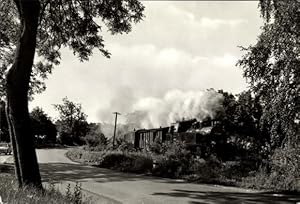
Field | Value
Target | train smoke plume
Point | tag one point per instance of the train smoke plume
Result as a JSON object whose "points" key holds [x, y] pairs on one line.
{"points": [[175, 105]]}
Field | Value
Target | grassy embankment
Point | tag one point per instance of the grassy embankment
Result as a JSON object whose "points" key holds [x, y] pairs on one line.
{"points": [[179, 163], [11, 194]]}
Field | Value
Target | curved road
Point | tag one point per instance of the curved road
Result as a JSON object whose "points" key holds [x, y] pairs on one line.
{"points": [[109, 186]]}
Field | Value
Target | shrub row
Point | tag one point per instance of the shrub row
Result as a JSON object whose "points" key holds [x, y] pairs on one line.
{"points": [[134, 162], [173, 160], [172, 164]]}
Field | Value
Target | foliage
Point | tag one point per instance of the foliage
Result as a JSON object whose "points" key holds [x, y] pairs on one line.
{"points": [[43, 128], [73, 24], [95, 138], [174, 161], [280, 173], [43, 27], [122, 161], [206, 171], [272, 68], [10, 194], [76, 197], [127, 162], [96, 141], [85, 156], [227, 114], [243, 135], [72, 124], [122, 145], [285, 164], [157, 147], [196, 169]]}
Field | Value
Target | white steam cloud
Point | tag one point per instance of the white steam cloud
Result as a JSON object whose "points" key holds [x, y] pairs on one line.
{"points": [[175, 105], [152, 112]]}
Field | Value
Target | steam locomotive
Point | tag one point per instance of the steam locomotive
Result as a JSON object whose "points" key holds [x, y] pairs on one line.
{"points": [[192, 132]]}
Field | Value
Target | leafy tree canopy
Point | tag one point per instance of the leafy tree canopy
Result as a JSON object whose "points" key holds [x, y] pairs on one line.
{"points": [[272, 66], [76, 24], [42, 125], [72, 122], [95, 137], [42, 28]]}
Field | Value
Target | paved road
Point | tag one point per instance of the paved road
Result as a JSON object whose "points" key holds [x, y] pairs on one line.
{"points": [[129, 188]]}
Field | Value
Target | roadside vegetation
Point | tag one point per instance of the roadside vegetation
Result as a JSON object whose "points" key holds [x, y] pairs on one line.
{"points": [[11, 193], [244, 155], [176, 162]]}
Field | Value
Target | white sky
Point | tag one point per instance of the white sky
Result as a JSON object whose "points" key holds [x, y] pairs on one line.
{"points": [[188, 46]]}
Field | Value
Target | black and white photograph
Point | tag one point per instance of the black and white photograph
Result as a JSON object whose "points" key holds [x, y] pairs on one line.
{"points": [[149, 102]]}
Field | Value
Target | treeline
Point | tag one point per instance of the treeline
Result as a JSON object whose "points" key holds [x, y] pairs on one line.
{"points": [[244, 135], [70, 128], [257, 132]]}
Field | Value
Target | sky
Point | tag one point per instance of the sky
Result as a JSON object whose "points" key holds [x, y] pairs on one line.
{"points": [[183, 46]]}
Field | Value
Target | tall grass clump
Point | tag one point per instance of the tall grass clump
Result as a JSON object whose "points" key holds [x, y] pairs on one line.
{"points": [[11, 194]]}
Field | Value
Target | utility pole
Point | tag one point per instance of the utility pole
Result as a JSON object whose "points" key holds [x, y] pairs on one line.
{"points": [[116, 118]]}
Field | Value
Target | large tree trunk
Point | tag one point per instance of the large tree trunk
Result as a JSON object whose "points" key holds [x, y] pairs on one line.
{"points": [[18, 78]]}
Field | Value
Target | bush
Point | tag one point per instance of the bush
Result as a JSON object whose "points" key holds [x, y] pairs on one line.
{"points": [[258, 179], [207, 171], [127, 162], [157, 147], [95, 140], [121, 145], [75, 154], [99, 148], [122, 161], [174, 161], [126, 147], [284, 170], [281, 173], [83, 156], [285, 164]]}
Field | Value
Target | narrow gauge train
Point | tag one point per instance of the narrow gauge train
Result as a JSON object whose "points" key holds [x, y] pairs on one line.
{"points": [[194, 133]]}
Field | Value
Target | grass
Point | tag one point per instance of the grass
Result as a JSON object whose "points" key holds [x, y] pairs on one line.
{"points": [[11, 194], [133, 162]]}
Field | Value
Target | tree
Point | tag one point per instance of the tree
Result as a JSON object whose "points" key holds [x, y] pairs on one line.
{"points": [[227, 114], [247, 114], [95, 137], [43, 27], [72, 124], [240, 121], [43, 128], [272, 67]]}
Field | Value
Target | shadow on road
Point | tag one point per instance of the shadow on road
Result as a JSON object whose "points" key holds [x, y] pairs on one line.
{"points": [[233, 198], [59, 172]]}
